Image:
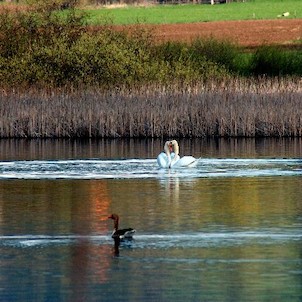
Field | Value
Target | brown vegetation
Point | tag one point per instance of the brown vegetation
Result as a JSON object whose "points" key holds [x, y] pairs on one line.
{"points": [[234, 108], [249, 33], [209, 98]]}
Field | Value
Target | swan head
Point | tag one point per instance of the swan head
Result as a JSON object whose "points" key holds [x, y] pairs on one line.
{"points": [[171, 146], [175, 149], [174, 146], [168, 147]]}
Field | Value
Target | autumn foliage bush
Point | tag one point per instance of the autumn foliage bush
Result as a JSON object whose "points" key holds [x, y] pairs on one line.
{"points": [[55, 48], [48, 46]]}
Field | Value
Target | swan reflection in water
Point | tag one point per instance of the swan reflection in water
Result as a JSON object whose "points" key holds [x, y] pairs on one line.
{"points": [[170, 158]]}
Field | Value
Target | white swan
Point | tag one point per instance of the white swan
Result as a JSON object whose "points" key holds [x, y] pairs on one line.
{"points": [[170, 157]]}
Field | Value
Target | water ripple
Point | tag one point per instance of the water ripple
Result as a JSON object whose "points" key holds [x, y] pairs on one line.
{"points": [[161, 241], [147, 168]]}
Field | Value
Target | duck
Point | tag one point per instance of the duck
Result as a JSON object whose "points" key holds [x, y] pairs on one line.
{"points": [[170, 158], [120, 234]]}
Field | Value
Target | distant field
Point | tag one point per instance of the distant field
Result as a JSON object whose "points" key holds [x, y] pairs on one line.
{"points": [[190, 13]]}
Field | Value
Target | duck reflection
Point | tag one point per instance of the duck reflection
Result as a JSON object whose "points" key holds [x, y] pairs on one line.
{"points": [[116, 248], [121, 242]]}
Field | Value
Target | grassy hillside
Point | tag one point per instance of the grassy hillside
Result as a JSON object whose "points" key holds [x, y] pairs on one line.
{"points": [[42, 48], [161, 14]]}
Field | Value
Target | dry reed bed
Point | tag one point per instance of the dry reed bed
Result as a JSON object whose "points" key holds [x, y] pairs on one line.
{"points": [[233, 108]]}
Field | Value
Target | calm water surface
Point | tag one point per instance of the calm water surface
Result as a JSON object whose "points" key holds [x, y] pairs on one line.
{"points": [[227, 230]]}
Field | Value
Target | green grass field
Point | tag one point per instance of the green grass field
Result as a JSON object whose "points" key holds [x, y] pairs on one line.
{"points": [[187, 13]]}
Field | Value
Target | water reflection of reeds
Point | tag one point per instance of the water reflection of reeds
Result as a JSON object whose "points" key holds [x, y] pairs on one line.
{"points": [[236, 108]]}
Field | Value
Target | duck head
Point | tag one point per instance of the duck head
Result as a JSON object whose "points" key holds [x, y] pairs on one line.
{"points": [[115, 217]]}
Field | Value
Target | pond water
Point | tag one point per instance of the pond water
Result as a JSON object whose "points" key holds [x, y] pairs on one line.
{"points": [[227, 230]]}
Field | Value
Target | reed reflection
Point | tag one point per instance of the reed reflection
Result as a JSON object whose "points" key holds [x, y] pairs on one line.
{"points": [[47, 208], [99, 200], [12, 149]]}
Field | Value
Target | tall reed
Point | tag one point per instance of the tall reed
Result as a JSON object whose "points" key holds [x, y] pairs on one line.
{"points": [[237, 107]]}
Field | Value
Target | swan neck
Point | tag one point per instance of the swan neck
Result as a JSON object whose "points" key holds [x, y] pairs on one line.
{"points": [[175, 147], [167, 148]]}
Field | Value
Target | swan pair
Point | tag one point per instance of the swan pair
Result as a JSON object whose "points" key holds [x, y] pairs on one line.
{"points": [[170, 157]]}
